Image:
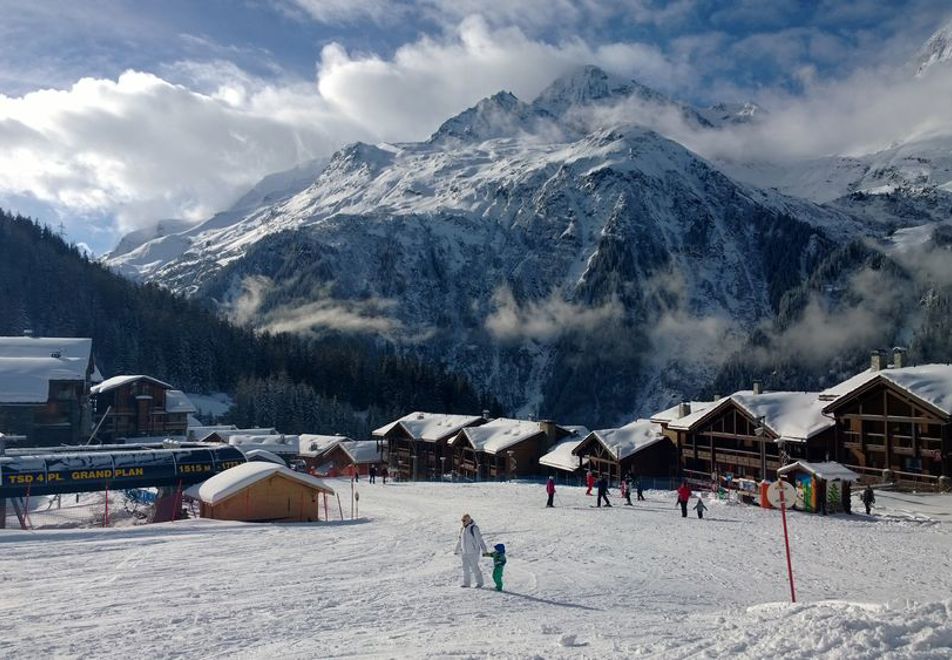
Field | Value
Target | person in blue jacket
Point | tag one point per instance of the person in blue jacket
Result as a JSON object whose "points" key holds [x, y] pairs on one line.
{"points": [[499, 563]]}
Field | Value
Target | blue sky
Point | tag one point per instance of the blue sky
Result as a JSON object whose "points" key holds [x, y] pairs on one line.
{"points": [[114, 114]]}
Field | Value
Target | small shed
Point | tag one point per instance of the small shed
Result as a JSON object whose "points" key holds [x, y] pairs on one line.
{"points": [[260, 492], [819, 483]]}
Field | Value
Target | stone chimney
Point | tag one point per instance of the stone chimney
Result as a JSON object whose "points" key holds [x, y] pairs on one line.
{"points": [[899, 357], [684, 409], [551, 431], [486, 415], [717, 396], [758, 388], [876, 360]]}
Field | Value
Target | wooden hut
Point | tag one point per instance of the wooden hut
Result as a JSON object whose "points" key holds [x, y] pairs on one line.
{"points": [[260, 492], [639, 448], [416, 445], [744, 435], [895, 418], [503, 448], [820, 486]]}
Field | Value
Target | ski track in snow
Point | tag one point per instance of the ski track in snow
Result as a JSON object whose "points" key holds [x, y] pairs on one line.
{"points": [[622, 582]]}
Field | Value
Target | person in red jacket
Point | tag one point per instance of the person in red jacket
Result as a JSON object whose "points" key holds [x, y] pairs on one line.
{"points": [[684, 496], [590, 482], [550, 491]]}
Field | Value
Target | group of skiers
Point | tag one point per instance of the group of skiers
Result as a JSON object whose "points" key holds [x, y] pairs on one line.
{"points": [[471, 547], [601, 488]]}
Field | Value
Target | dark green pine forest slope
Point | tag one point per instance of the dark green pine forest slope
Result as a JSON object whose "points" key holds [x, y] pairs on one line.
{"points": [[335, 385]]}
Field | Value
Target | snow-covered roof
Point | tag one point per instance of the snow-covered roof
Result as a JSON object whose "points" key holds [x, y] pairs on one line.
{"points": [[311, 444], [828, 471], [795, 416], [80, 348], [226, 433], [561, 457], [264, 455], [499, 434], [233, 480], [200, 432], [673, 413], [630, 438], [576, 430], [362, 451], [177, 402], [685, 423], [27, 379], [277, 443], [430, 427], [119, 381], [931, 383]]}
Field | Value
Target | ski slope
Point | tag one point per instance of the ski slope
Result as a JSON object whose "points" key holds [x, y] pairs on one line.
{"points": [[623, 582]]}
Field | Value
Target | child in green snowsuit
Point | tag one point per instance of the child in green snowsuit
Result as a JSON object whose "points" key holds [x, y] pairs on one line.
{"points": [[499, 562]]}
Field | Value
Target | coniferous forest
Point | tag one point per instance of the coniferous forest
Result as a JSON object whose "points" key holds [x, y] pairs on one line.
{"points": [[333, 385]]}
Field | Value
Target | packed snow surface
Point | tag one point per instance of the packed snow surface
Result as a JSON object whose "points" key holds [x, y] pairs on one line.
{"points": [[610, 583]]}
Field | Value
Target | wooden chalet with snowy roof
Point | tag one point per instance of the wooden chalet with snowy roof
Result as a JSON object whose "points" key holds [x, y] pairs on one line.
{"points": [[138, 406], [44, 388], [639, 448], [503, 448], [896, 418], [751, 434], [416, 445]]}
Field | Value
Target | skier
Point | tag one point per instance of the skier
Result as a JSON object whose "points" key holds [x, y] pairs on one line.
{"points": [[602, 487], [373, 474], [638, 488], [626, 490], [700, 508], [384, 472], [550, 491], [499, 563], [869, 499], [684, 496], [589, 481], [470, 545]]}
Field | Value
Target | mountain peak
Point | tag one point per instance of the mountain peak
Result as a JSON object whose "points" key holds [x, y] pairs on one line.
{"points": [[499, 115], [582, 86], [936, 50]]}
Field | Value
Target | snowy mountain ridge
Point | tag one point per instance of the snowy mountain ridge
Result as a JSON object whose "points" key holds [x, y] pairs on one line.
{"points": [[568, 269]]}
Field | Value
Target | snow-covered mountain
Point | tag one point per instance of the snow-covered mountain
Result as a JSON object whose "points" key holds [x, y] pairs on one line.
{"points": [[139, 254], [594, 273], [937, 50]]}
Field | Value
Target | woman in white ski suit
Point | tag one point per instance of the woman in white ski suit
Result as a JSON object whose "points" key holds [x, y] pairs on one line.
{"points": [[471, 546]]}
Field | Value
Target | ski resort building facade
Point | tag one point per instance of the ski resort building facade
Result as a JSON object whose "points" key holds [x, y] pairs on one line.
{"points": [[415, 446], [895, 418], [503, 448], [44, 388], [640, 448], [751, 434], [139, 406]]}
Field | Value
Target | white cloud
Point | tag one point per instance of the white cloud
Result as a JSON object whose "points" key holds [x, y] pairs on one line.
{"points": [[547, 320], [142, 148]]}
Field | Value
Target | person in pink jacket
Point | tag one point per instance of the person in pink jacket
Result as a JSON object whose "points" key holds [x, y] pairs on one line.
{"points": [[590, 482], [550, 491]]}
